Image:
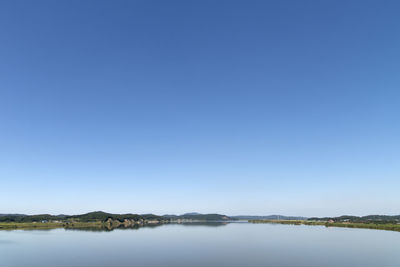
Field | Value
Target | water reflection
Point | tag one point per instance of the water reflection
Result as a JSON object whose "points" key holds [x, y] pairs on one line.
{"points": [[107, 228], [201, 244], [7, 242], [208, 224]]}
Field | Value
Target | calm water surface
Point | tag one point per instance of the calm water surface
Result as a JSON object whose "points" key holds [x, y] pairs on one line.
{"points": [[234, 244]]}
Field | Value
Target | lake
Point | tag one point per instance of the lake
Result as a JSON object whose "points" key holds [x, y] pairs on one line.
{"points": [[232, 244]]}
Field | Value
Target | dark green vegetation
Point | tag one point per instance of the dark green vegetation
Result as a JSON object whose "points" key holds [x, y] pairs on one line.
{"points": [[103, 216], [379, 225], [97, 219]]}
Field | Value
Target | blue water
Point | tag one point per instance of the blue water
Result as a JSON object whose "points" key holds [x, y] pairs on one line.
{"points": [[234, 244]]}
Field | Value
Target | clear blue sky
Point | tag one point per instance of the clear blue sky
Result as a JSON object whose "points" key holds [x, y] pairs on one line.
{"points": [[236, 107]]}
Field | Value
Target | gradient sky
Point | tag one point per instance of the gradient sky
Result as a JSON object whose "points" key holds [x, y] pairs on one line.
{"points": [[235, 107]]}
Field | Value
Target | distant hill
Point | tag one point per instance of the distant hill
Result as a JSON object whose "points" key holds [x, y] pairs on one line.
{"points": [[103, 216], [268, 217], [192, 213], [200, 217], [3, 215]]}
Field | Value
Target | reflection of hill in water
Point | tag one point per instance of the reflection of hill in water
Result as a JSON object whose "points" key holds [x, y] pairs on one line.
{"points": [[109, 228], [137, 227], [210, 224]]}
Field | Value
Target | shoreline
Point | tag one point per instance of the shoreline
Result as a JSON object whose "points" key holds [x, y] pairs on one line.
{"points": [[375, 226], [111, 225]]}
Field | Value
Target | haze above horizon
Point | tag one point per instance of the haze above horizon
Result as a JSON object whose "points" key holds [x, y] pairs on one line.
{"points": [[230, 107]]}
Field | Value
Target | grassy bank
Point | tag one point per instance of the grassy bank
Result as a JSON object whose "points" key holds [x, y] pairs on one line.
{"points": [[30, 225], [50, 225], [377, 226]]}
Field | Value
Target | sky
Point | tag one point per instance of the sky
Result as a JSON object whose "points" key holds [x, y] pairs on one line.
{"points": [[232, 107]]}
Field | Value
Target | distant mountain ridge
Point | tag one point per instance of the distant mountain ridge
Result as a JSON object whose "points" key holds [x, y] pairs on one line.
{"points": [[103, 216], [199, 217], [268, 217], [191, 213]]}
